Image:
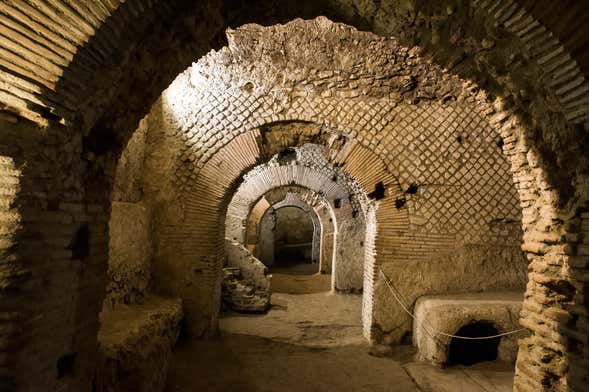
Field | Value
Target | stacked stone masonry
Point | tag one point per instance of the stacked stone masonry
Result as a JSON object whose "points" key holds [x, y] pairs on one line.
{"points": [[308, 214], [241, 295], [435, 160], [261, 180], [68, 80]]}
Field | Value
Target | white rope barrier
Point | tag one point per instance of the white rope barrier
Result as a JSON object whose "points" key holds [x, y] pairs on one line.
{"points": [[433, 331]]}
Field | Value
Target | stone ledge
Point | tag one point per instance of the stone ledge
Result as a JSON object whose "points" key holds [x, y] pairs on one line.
{"points": [[448, 313], [136, 344]]}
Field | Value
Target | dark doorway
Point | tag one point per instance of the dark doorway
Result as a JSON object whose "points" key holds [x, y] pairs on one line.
{"points": [[293, 241], [467, 351]]}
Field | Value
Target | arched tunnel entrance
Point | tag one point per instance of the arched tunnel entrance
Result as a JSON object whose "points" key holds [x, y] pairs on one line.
{"points": [[462, 127], [293, 241], [219, 201], [474, 344]]}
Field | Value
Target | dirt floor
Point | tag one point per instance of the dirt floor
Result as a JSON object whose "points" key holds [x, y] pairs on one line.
{"points": [[312, 320], [241, 363], [296, 268], [313, 342], [300, 284], [299, 278]]}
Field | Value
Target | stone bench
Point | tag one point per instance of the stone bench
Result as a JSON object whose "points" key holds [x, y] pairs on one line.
{"points": [[449, 313], [136, 343]]}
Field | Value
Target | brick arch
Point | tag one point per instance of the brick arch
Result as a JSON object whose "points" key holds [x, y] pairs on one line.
{"points": [[248, 204], [403, 135], [322, 209], [50, 95], [538, 193], [198, 242], [72, 60], [320, 191], [547, 241], [67, 61], [306, 201]]}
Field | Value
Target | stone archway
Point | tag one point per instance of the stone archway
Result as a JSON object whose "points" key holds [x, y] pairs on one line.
{"points": [[258, 223], [79, 198]]}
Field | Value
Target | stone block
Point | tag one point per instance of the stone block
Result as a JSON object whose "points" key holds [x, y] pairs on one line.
{"points": [[136, 344], [448, 313]]}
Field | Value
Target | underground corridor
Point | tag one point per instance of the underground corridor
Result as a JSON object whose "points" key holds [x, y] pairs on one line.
{"points": [[294, 196]]}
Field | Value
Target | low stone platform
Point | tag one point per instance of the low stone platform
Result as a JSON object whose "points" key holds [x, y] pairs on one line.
{"points": [[448, 313], [136, 344]]}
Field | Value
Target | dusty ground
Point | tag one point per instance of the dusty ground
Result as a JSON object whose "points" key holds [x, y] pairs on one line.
{"points": [[299, 278], [300, 284], [296, 268], [321, 319], [239, 363], [313, 342]]}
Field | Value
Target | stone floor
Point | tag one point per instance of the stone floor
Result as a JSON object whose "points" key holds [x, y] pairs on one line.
{"points": [[253, 364], [295, 268], [300, 284], [312, 320], [299, 278], [313, 342]]}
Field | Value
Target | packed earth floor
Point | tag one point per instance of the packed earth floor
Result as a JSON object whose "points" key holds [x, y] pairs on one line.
{"points": [[313, 342]]}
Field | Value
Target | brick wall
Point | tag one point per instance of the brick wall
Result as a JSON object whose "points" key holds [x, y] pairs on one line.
{"points": [[449, 198], [54, 252], [75, 80], [291, 199]]}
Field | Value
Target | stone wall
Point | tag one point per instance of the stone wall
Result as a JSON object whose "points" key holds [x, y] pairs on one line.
{"points": [[252, 269], [130, 253], [265, 247], [53, 247], [130, 226], [293, 234], [91, 79], [128, 180], [327, 240], [471, 269], [424, 136], [350, 237]]}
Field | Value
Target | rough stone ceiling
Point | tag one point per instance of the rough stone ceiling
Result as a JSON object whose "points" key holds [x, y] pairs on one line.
{"points": [[52, 51], [360, 95], [328, 73]]}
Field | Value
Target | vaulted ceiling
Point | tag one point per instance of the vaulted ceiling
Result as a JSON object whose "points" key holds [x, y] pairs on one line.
{"points": [[57, 54]]}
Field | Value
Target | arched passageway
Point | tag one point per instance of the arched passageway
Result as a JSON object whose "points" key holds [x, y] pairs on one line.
{"points": [[61, 144], [291, 233]]}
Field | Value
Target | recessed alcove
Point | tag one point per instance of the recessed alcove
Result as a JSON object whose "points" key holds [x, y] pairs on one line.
{"points": [[470, 351]]}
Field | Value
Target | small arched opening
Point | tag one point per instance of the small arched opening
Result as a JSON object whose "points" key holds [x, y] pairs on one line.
{"points": [[293, 241], [471, 350]]}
